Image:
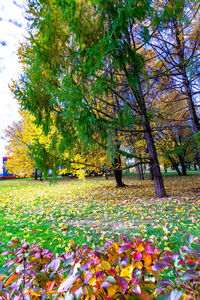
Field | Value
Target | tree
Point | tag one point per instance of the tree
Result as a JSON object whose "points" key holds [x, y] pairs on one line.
{"points": [[93, 53], [21, 137], [177, 44], [176, 147], [173, 133], [29, 151], [51, 68], [19, 163]]}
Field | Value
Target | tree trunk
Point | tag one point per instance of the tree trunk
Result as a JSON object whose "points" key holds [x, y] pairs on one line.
{"points": [[194, 117], [118, 178], [118, 172], [186, 82], [156, 173], [142, 171], [117, 161], [195, 120], [195, 167], [174, 164], [140, 99], [184, 171], [36, 174], [106, 175], [41, 177], [157, 176], [183, 167], [177, 169], [151, 172], [138, 172]]}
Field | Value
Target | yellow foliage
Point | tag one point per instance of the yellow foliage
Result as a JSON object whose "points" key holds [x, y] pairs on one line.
{"points": [[105, 265], [127, 271], [20, 136]]}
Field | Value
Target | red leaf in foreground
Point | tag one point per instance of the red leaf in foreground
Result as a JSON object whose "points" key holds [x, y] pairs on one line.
{"points": [[137, 256]]}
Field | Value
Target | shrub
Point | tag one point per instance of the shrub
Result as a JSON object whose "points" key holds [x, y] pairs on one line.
{"points": [[128, 269]]}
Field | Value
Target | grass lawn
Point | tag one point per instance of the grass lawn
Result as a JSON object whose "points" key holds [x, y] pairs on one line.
{"points": [[94, 210]]}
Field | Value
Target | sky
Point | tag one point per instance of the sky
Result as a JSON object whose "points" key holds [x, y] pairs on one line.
{"points": [[12, 32]]}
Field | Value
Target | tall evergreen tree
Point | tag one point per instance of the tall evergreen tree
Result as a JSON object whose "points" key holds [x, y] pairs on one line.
{"points": [[86, 62]]}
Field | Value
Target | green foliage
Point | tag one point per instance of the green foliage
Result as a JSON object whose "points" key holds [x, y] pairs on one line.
{"points": [[71, 87], [44, 158]]}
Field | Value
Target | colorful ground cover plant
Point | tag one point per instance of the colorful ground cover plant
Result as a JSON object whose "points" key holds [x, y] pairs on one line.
{"points": [[128, 269], [94, 210]]}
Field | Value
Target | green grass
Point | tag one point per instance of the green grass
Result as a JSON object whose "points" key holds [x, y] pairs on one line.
{"points": [[94, 210]]}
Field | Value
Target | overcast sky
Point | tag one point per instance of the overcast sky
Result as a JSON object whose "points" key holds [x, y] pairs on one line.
{"points": [[12, 32]]}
